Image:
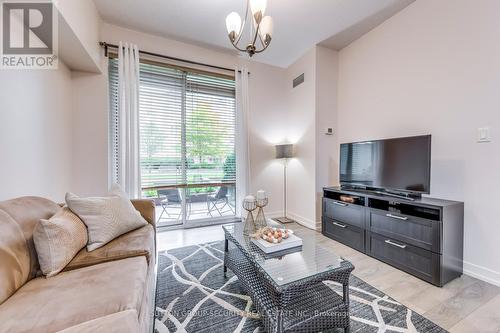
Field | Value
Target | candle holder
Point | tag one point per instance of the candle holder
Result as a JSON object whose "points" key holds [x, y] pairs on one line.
{"points": [[260, 220], [250, 227]]}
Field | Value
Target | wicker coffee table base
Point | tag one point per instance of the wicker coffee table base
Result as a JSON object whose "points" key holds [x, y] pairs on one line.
{"points": [[305, 306]]}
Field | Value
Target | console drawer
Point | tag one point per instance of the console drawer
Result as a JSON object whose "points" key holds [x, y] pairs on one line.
{"points": [[347, 213], [408, 229], [414, 260], [344, 233]]}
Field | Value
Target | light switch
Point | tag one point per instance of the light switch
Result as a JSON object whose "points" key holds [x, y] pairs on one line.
{"points": [[483, 134]]}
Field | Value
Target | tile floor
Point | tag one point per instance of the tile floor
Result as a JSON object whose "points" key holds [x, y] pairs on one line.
{"points": [[463, 305]]}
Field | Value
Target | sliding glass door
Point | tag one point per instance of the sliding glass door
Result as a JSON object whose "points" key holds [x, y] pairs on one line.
{"points": [[187, 138], [210, 147]]}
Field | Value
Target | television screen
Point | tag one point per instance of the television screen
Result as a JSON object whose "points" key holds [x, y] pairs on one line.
{"points": [[402, 164]]}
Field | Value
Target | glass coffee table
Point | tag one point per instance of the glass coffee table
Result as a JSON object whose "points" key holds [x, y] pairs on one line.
{"points": [[287, 288]]}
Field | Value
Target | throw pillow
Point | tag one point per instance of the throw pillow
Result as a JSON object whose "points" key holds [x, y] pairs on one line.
{"points": [[105, 217], [58, 240]]}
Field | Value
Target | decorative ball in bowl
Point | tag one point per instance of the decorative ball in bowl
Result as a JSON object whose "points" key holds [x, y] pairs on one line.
{"points": [[274, 235]]}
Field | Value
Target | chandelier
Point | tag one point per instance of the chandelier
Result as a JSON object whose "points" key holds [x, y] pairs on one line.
{"points": [[261, 27]]}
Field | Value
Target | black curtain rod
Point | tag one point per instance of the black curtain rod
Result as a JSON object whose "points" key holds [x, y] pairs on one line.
{"points": [[107, 45]]}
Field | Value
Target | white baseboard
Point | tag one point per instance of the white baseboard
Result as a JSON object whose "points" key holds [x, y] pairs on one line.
{"points": [[482, 273], [299, 219], [318, 226], [274, 214], [302, 221]]}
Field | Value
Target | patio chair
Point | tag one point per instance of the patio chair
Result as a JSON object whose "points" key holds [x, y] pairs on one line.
{"points": [[172, 199], [215, 201]]}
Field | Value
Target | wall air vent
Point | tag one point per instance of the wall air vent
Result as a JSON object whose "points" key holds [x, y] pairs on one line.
{"points": [[298, 80]]}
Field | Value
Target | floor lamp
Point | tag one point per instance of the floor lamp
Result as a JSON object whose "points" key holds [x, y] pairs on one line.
{"points": [[284, 152]]}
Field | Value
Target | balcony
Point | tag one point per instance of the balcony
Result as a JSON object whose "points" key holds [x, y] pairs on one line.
{"points": [[185, 205]]}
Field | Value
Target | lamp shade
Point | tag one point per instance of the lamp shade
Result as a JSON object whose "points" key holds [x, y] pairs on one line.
{"points": [[284, 151], [233, 23], [257, 6], [266, 27]]}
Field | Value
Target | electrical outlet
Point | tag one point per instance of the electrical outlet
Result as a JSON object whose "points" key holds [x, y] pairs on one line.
{"points": [[483, 134]]}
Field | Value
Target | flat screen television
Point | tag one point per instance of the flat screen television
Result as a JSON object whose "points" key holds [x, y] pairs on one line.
{"points": [[395, 165]]}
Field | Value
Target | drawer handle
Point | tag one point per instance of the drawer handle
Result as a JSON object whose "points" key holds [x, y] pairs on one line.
{"points": [[403, 218], [340, 204], [395, 244], [340, 225]]}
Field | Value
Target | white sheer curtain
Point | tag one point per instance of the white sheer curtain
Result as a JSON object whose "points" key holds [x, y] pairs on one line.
{"points": [[129, 174], [242, 142]]}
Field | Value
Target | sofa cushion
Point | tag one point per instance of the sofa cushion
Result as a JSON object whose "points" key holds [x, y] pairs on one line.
{"points": [[106, 217], [27, 212], [14, 257], [58, 240], [139, 242], [120, 322], [71, 298]]}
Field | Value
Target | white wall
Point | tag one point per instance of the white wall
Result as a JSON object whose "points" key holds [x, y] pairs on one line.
{"points": [[35, 133], [90, 132], [301, 131], [327, 151], [41, 114], [312, 108], [43, 147], [267, 127], [83, 18], [435, 68]]}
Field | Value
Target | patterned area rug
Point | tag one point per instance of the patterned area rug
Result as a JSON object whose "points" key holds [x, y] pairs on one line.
{"points": [[194, 296]]}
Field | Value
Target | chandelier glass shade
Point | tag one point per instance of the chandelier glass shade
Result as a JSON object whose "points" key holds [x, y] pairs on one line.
{"points": [[261, 27]]}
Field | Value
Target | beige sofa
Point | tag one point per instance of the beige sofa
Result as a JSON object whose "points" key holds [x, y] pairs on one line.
{"points": [[110, 289]]}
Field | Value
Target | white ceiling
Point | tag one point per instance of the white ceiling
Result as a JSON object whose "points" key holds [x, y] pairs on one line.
{"points": [[298, 24]]}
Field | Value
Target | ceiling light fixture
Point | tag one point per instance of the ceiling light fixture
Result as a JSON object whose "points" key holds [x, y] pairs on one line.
{"points": [[263, 26]]}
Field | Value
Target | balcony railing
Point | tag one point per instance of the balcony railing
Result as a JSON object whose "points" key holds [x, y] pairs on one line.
{"points": [[181, 203]]}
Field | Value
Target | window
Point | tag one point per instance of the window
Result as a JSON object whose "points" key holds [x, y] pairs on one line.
{"points": [[187, 136]]}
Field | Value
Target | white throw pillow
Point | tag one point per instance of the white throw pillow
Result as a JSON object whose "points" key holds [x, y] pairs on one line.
{"points": [[105, 217], [58, 240]]}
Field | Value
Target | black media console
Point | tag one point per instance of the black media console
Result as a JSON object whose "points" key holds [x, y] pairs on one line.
{"points": [[423, 237]]}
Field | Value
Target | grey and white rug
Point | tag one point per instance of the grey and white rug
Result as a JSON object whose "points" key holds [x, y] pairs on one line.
{"points": [[194, 296]]}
